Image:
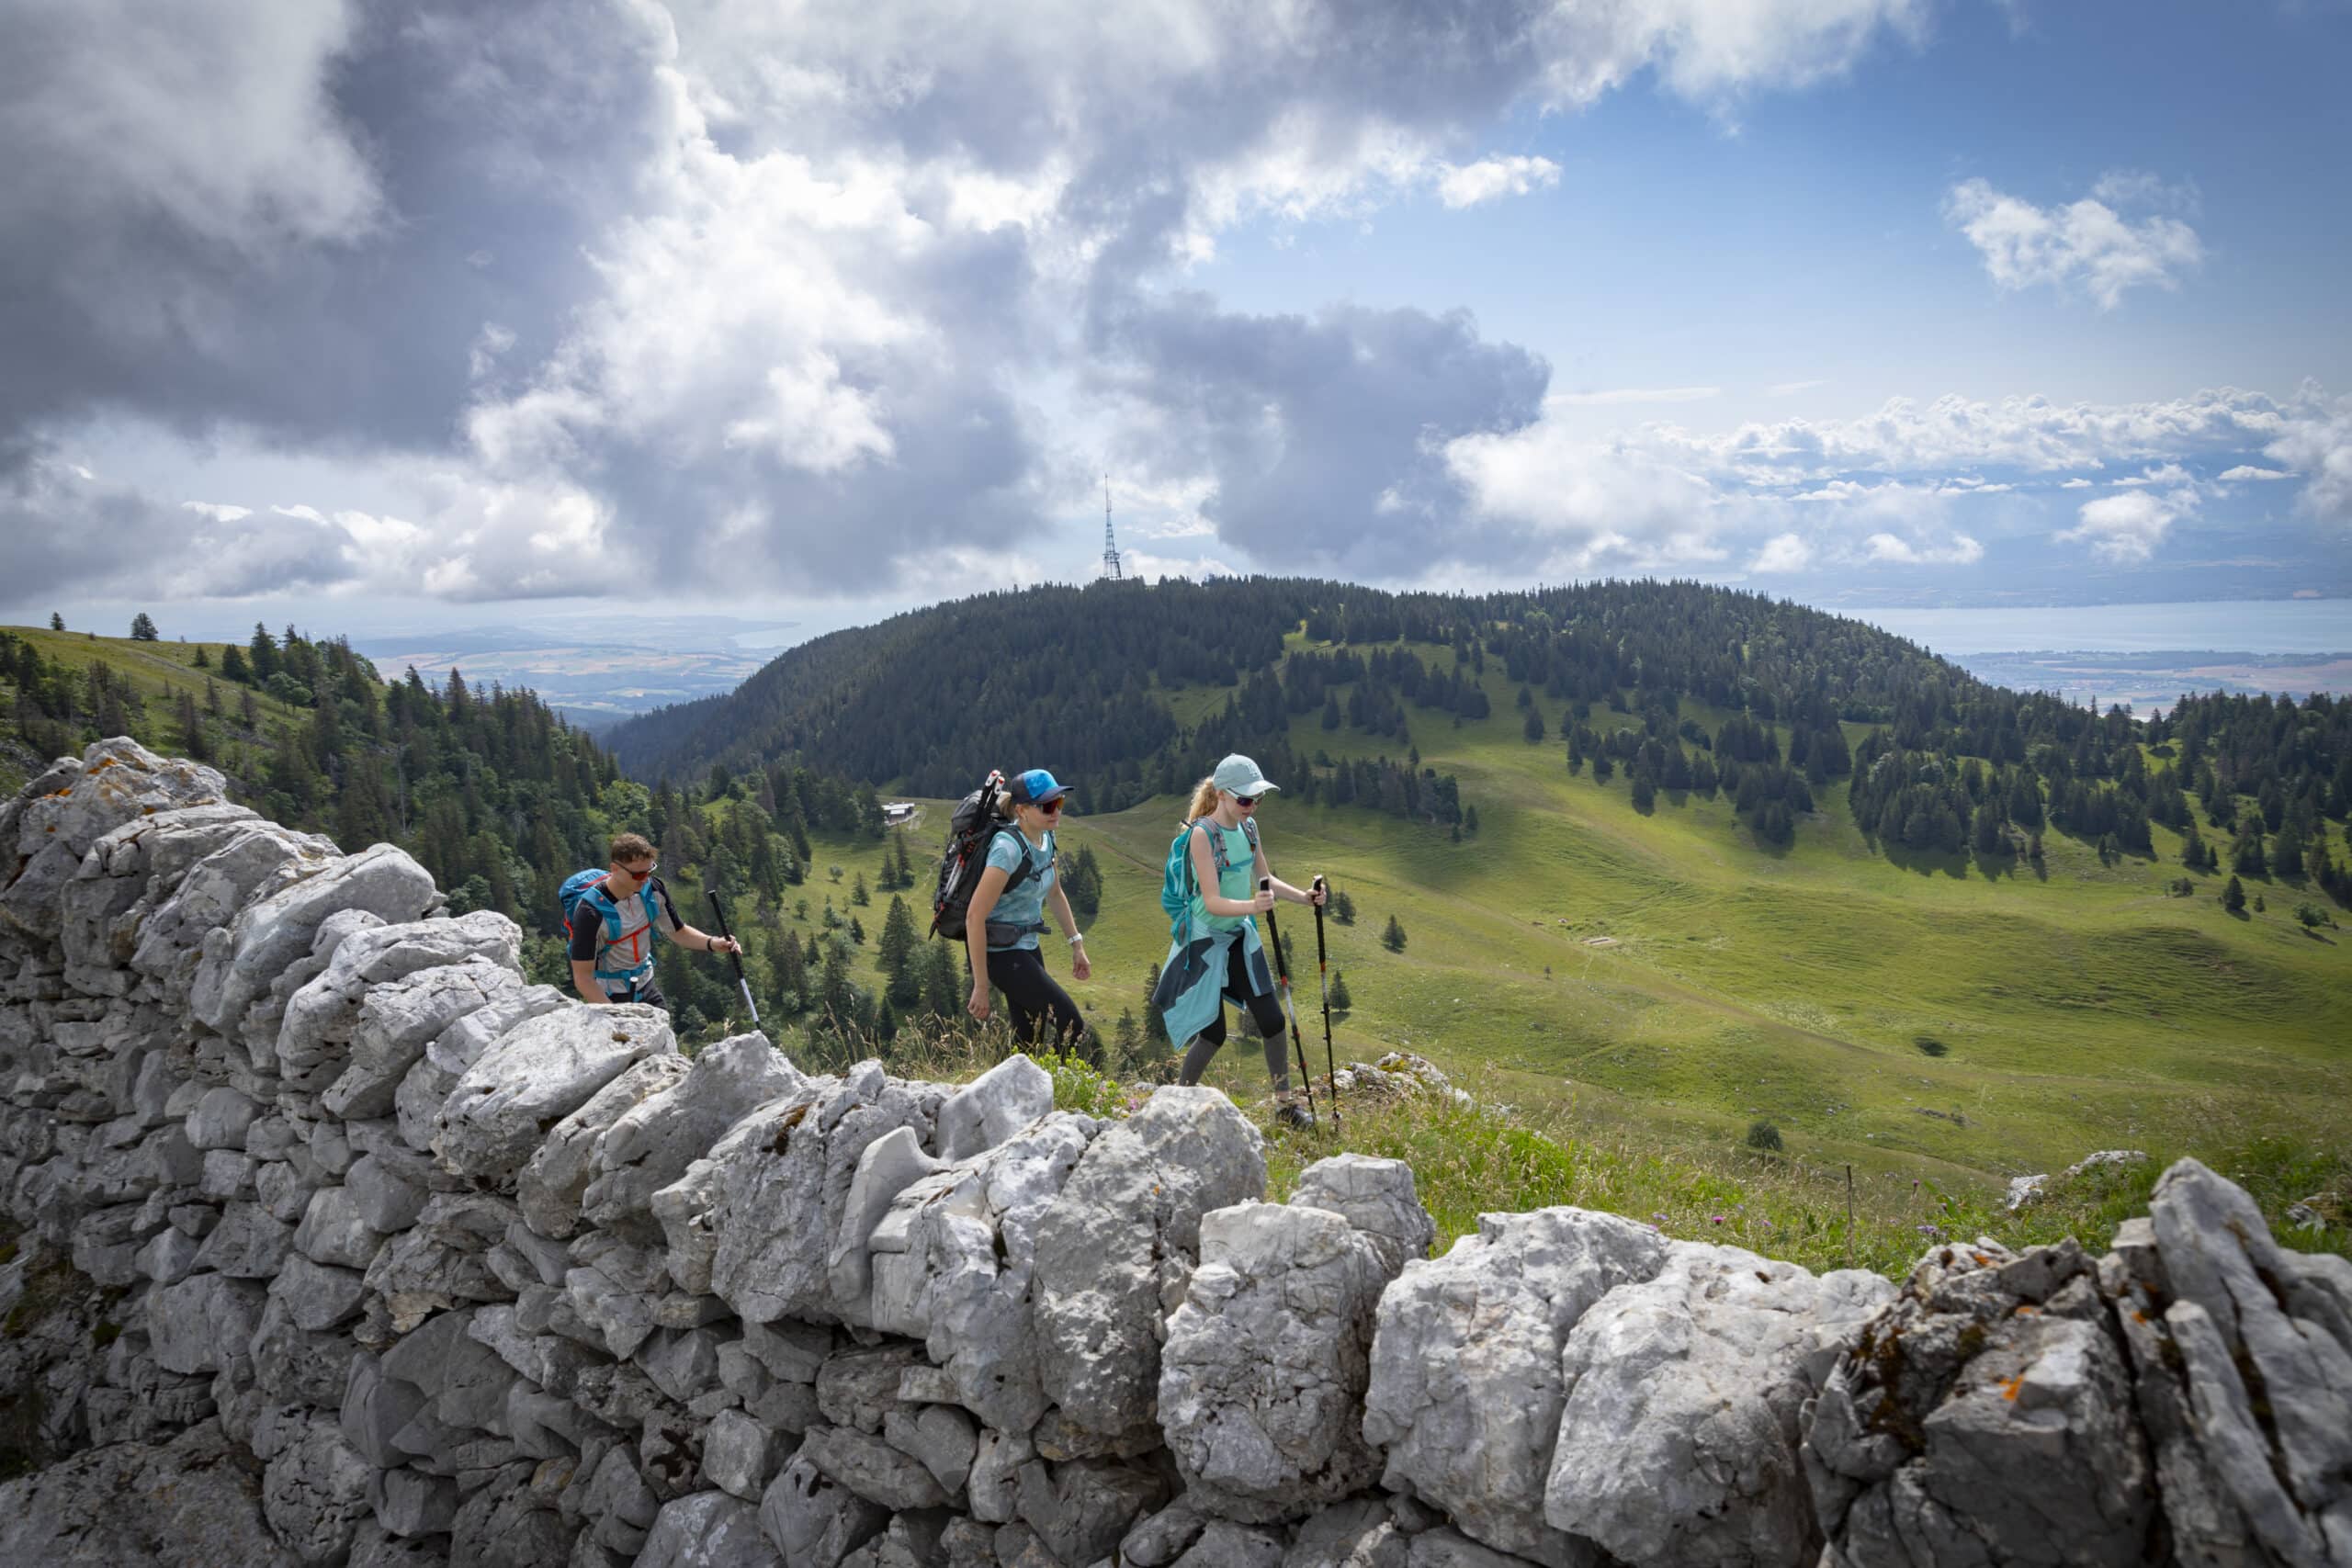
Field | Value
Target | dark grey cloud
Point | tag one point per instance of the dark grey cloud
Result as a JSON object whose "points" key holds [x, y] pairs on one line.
{"points": [[739, 295], [298, 215], [1327, 435], [76, 537]]}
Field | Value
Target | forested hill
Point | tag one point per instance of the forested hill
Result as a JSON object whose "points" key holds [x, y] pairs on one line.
{"points": [[1133, 690], [1091, 676]]}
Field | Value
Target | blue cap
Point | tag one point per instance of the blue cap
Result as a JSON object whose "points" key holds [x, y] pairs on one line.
{"points": [[1035, 787]]}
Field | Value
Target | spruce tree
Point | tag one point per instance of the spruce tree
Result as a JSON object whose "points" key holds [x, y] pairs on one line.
{"points": [[1392, 938], [1155, 1028], [1342, 1000], [2233, 896], [143, 628]]}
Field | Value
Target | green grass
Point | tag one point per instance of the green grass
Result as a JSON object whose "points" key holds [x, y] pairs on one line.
{"points": [[159, 672], [2077, 1006]]}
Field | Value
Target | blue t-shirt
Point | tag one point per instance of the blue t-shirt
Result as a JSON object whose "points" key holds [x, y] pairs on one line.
{"points": [[1025, 905]]}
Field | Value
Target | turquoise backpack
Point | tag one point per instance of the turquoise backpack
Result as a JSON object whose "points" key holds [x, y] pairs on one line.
{"points": [[1176, 881]]}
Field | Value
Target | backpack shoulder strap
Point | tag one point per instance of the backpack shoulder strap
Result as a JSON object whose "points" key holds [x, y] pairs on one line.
{"points": [[598, 895]]}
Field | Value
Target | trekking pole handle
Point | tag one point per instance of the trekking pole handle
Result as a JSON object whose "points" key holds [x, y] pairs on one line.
{"points": [[737, 955]]}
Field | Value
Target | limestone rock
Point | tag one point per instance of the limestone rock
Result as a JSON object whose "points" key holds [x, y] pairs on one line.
{"points": [[1082, 1508], [192, 1503], [994, 1106], [739, 1455], [1267, 1360], [219, 1120], [1131, 1210], [428, 1084], [552, 1183], [872, 1468], [651, 1142], [248, 1244], [204, 1322], [813, 1521], [1678, 1437], [1361, 1533], [271, 933], [315, 1493], [708, 1529], [783, 1188], [397, 1022], [1465, 1387], [533, 1076], [953, 1261], [443, 1261], [1987, 1400], [1225, 1544], [334, 1231], [2245, 1315], [387, 1191], [1375, 1196]]}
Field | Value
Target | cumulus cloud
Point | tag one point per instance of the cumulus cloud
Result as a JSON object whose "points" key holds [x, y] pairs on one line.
{"points": [[2248, 473], [2318, 443], [735, 293], [2128, 528], [1468, 185], [2085, 243], [1959, 550], [1782, 552]]}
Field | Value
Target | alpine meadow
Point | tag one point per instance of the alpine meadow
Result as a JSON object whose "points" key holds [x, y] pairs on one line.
{"points": [[1664, 856]]}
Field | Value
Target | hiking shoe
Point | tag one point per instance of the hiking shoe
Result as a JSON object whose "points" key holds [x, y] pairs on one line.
{"points": [[1296, 1116]]}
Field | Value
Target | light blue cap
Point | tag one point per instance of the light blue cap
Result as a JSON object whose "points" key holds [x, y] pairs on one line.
{"points": [[1239, 775]]}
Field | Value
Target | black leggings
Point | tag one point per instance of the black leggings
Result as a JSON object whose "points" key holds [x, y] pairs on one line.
{"points": [[1032, 993], [1264, 1011]]}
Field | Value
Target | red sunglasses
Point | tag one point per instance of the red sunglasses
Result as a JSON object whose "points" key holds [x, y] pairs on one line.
{"points": [[1052, 807]]}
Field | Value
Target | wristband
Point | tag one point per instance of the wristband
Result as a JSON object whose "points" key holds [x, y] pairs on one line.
{"points": [[1077, 937]]}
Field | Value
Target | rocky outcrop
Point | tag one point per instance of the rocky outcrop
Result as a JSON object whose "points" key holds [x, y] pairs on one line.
{"points": [[346, 1245]]}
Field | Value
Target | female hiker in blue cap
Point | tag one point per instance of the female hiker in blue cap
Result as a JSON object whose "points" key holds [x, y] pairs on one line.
{"points": [[1211, 894], [1008, 910]]}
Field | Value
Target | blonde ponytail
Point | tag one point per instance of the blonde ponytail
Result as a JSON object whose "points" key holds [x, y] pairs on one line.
{"points": [[1203, 799]]}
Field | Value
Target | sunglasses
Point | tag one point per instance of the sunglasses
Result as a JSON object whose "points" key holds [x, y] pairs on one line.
{"points": [[1245, 800], [1052, 807], [647, 872]]}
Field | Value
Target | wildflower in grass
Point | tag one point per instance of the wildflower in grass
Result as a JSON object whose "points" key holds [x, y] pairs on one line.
{"points": [[1717, 1218]]}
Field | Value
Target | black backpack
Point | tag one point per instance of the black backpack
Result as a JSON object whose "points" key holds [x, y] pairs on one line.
{"points": [[970, 831]]}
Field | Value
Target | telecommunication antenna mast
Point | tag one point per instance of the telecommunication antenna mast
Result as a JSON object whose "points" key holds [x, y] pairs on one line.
{"points": [[1109, 545]]}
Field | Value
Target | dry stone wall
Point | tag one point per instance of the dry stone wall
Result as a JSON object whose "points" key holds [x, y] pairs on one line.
{"points": [[345, 1243]]}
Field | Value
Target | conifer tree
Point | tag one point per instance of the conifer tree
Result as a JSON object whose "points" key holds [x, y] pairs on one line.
{"points": [[1341, 998], [143, 628], [1155, 1027], [1392, 938], [2233, 896]]}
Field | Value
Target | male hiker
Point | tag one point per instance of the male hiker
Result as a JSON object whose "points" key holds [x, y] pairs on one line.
{"points": [[612, 916]]}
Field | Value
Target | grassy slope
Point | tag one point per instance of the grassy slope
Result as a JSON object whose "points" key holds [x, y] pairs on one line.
{"points": [[159, 671], [2078, 1008]]}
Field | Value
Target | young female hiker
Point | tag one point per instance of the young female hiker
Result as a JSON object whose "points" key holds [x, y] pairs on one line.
{"points": [[1215, 956], [1008, 910]]}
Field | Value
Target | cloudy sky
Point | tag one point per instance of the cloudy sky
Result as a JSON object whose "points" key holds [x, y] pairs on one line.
{"points": [[359, 313]]}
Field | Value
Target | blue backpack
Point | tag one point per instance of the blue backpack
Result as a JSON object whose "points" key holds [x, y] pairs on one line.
{"points": [[589, 885]]}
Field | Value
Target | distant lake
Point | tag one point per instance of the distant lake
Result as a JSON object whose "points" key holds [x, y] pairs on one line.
{"points": [[2230, 625], [2143, 655]]}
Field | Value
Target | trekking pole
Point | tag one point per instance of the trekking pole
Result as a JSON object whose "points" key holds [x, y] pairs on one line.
{"points": [[741, 983], [1282, 970], [1323, 982]]}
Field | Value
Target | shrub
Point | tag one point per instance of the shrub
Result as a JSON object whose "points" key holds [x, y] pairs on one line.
{"points": [[1764, 1136]]}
